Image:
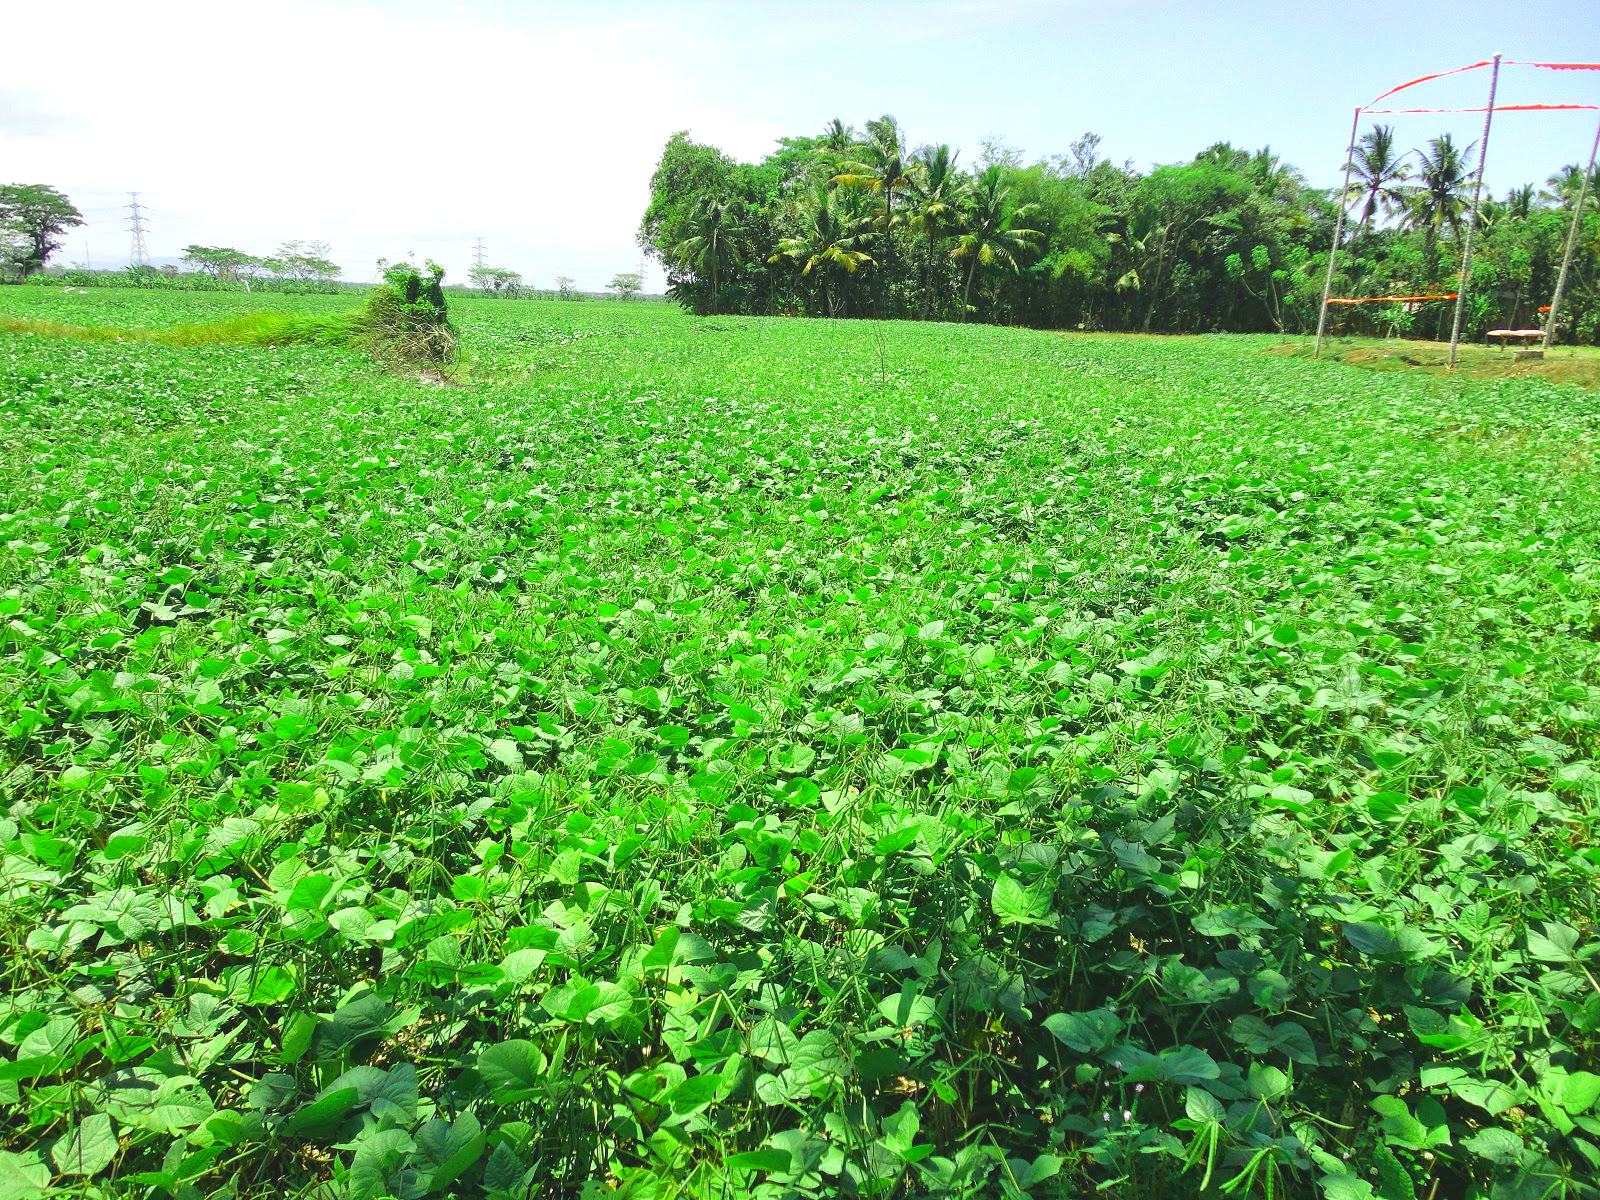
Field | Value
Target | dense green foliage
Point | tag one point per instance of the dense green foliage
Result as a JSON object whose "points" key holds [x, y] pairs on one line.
{"points": [[861, 225], [997, 764]]}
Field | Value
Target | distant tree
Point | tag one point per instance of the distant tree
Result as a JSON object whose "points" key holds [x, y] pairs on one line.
{"points": [[1377, 174], [711, 247], [1272, 177], [1081, 158], [688, 175], [937, 194], [995, 151], [626, 284], [1438, 199], [882, 167], [1520, 202], [304, 261], [223, 263], [567, 287], [990, 233], [36, 216], [15, 245], [498, 281], [1234, 240], [1562, 187], [837, 140], [827, 247]]}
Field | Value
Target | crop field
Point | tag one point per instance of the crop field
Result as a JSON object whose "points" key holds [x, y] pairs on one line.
{"points": [[738, 756]]}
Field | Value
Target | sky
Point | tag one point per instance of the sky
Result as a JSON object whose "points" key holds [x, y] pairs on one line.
{"points": [[418, 126]]}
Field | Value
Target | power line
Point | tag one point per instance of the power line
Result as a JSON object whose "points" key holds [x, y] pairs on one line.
{"points": [[139, 255]]}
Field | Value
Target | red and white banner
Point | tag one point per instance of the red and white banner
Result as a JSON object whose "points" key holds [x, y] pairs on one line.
{"points": [[1410, 83]]}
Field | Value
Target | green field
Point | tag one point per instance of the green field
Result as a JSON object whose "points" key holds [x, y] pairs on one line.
{"points": [[731, 756]]}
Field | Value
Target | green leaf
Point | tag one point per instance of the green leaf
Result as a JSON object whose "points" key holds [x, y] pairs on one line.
{"points": [[1369, 938], [1497, 1145], [87, 1149], [362, 1018], [1579, 1091], [908, 1009], [1394, 1181], [447, 1148], [514, 1071], [23, 1176], [693, 1093], [1016, 905], [322, 1114], [375, 1170], [1266, 1082], [1558, 943], [506, 752], [1201, 1105], [773, 1041], [1487, 1094], [1086, 1032], [759, 1160]]}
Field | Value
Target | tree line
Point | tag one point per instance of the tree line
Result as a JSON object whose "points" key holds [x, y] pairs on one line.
{"points": [[301, 262], [507, 284], [852, 223]]}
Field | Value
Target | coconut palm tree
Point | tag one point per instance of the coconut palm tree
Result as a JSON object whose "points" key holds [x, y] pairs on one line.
{"points": [[1562, 188], [1272, 177], [882, 167], [826, 247], [937, 193], [989, 233], [1378, 174], [1438, 198], [838, 139], [712, 247], [1520, 202]]}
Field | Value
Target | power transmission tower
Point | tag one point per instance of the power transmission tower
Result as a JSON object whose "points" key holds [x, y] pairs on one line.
{"points": [[139, 255], [477, 254]]}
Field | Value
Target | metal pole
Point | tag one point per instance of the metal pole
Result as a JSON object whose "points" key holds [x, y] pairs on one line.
{"points": [[1477, 193], [1572, 243], [1338, 232]]}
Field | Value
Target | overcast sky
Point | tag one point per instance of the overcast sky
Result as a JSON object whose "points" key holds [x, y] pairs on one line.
{"points": [[412, 126]]}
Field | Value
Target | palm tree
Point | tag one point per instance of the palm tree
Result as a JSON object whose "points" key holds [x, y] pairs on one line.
{"points": [[1377, 174], [938, 191], [826, 246], [883, 167], [837, 139], [1272, 177], [713, 247], [1520, 202], [1562, 187], [1438, 198], [990, 234]]}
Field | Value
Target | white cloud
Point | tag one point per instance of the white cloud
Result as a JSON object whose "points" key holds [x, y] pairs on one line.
{"points": [[249, 125]]}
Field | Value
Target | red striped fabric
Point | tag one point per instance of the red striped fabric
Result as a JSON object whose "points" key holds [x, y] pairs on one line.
{"points": [[1497, 108], [1473, 67], [1424, 79]]}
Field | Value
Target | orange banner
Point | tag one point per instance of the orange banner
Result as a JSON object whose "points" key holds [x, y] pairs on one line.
{"points": [[1386, 299], [1424, 79], [1506, 62], [1497, 108]]}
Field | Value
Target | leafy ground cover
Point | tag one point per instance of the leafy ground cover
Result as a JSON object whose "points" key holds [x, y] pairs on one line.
{"points": [[740, 756]]}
